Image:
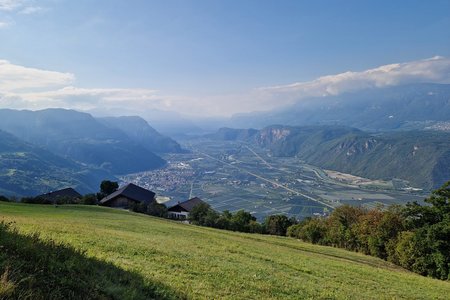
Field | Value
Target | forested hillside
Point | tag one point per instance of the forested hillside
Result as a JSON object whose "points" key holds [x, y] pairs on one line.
{"points": [[80, 137], [139, 131], [30, 170]]}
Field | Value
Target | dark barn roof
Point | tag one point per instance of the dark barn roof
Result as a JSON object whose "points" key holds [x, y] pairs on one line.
{"points": [[132, 192], [64, 193], [187, 205]]}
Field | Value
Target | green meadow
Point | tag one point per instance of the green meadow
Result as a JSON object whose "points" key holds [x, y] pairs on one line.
{"points": [[163, 259]]}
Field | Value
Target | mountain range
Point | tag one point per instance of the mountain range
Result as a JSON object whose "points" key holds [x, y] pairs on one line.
{"points": [[413, 106], [74, 143], [375, 133], [140, 132]]}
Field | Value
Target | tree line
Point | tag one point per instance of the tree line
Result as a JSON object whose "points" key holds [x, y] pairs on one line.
{"points": [[203, 215]]}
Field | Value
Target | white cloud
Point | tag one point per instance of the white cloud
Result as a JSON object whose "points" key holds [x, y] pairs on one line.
{"points": [[9, 9], [24, 87], [16, 78], [23, 6], [4, 24], [10, 5], [87, 99], [29, 10], [432, 70]]}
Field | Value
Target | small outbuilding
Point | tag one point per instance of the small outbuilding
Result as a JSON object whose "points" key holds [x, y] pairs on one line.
{"points": [[182, 209], [127, 196], [67, 195]]}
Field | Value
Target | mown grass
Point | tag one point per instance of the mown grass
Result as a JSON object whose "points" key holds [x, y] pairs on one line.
{"points": [[202, 263]]}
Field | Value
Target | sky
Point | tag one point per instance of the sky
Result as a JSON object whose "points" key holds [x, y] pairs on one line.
{"points": [[210, 57]]}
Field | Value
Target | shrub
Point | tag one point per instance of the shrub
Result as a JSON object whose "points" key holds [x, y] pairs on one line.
{"points": [[36, 200], [107, 187], [156, 209], [240, 221], [199, 213], [310, 230], [278, 224], [89, 199], [139, 207], [340, 231], [224, 220], [255, 227]]}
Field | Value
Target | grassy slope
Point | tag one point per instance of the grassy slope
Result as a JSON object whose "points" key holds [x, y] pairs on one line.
{"points": [[35, 269], [209, 263]]}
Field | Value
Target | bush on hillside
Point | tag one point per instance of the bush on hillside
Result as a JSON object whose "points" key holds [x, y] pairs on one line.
{"points": [[278, 224], [45, 200], [89, 199], [198, 214], [107, 187], [153, 209], [157, 209], [139, 207], [309, 230], [35, 200], [242, 221]]}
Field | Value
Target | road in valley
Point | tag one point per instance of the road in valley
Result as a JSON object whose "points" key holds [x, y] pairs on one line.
{"points": [[265, 179]]}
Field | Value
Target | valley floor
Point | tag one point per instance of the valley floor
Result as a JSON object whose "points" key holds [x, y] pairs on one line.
{"points": [[236, 175], [205, 263]]}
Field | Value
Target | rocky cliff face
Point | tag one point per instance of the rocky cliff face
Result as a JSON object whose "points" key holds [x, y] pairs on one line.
{"points": [[272, 135]]}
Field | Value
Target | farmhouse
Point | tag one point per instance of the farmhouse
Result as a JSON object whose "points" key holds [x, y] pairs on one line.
{"points": [[128, 195], [181, 210], [63, 194]]}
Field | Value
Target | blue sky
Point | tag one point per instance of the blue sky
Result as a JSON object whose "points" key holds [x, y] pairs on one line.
{"points": [[198, 50]]}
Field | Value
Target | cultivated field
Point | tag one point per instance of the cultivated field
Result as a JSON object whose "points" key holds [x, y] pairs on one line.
{"points": [[204, 263]]}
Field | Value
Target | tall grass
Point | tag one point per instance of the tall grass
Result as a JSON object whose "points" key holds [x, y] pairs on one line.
{"points": [[32, 268]]}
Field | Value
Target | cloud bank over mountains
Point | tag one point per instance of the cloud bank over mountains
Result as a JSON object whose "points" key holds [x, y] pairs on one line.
{"points": [[30, 88], [19, 78], [432, 70]]}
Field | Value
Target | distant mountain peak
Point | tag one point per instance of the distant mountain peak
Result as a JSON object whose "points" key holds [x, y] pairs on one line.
{"points": [[138, 130]]}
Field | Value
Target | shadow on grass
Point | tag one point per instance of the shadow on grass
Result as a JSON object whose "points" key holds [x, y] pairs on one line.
{"points": [[31, 268]]}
